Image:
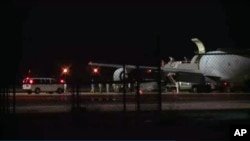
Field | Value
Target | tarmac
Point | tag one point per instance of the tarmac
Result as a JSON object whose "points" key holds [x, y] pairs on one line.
{"points": [[153, 125]]}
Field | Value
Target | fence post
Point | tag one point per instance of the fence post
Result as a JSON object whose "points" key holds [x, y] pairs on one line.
{"points": [[7, 100], [124, 90], [77, 96], [138, 88], [159, 74], [14, 99], [73, 97]]}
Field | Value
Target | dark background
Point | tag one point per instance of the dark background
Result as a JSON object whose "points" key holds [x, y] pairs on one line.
{"points": [[42, 35]]}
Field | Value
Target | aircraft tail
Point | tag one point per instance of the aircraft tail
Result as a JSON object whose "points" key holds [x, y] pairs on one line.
{"points": [[200, 45]]}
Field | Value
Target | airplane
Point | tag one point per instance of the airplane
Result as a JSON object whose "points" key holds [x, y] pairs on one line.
{"points": [[224, 69]]}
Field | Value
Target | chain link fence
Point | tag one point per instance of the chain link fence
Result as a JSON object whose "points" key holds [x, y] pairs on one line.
{"points": [[138, 89]]}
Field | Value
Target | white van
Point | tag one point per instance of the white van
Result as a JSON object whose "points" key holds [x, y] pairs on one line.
{"points": [[38, 85]]}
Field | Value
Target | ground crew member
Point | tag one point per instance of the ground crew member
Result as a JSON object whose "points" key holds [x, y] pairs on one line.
{"points": [[177, 85], [92, 87], [107, 87], [100, 87], [129, 87], [115, 87]]}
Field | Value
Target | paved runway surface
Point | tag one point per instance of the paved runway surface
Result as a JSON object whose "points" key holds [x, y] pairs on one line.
{"points": [[44, 102], [182, 125], [183, 117], [66, 107]]}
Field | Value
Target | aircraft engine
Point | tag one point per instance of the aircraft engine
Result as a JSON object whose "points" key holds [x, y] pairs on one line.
{"points": [[119, 74]]}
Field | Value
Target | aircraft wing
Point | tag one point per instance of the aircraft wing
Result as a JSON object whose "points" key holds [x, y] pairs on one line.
{"points": [[120, 66], [164, 69], [185, 75]]}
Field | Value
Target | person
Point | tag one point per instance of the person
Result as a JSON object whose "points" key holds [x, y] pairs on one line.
{"points": [[92, 86], [113, 85], [100, 87], [177, 85], [107, 87], [65, 87], [129, 87]]}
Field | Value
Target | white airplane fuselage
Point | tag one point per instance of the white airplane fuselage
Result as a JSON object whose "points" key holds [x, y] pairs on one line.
{"points": [[232, 68], [216, 66]]}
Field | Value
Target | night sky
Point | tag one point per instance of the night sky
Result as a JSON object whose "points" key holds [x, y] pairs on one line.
{"points": [[73, 33]]}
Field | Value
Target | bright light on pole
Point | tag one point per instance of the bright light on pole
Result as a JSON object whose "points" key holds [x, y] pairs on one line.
{"points": [[65, 70], [95, 70]]}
